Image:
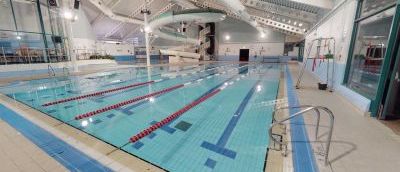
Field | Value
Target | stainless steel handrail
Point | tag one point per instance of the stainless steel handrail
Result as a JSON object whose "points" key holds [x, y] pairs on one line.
{"points": [[317, 111], [51, 71], [317, 56], [65, 71]]}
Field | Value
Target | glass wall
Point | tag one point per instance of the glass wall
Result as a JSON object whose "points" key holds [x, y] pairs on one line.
{"points": [[30, 33], [369, 46]]}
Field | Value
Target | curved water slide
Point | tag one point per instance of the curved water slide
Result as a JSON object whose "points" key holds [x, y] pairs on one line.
{"points": [[190, 15]]}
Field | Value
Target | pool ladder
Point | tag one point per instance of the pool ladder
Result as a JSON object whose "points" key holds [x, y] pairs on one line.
{"points": [[66, 71], [51, 71], [305, 108]]}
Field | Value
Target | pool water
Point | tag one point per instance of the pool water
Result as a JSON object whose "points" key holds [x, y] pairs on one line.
{"points": [[226, 132]]}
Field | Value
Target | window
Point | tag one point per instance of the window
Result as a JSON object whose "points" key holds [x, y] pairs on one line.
{"points": [[369, 52], [372, 6], [6, 17], [26, 16]]}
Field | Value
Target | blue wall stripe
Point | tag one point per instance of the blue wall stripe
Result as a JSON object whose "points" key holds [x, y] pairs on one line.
{"points": [[65, 154], [303, 156]]}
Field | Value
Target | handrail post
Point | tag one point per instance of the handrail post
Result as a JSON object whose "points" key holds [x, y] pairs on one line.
{"points": [[318, 120], [4, 55], [308, 108], [29, 56], [50, 69], [329, 139]]}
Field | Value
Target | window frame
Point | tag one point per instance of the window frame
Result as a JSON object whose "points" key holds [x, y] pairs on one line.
{"points": [[374, 106]]}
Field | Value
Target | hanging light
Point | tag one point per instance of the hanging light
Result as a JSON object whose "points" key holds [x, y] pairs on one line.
{"points": [[227, 37], [68, 14], [262, 35]]}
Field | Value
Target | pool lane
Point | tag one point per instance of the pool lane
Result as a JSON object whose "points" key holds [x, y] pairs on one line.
{"points": [[69, 110], [66, 111], [74, 85], [116, 127], [181, 146]]}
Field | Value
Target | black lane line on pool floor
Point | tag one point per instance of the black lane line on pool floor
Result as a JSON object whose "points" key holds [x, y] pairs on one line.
{"points": [[170, 130], [155, 81], [241, 71], [146, 101]]}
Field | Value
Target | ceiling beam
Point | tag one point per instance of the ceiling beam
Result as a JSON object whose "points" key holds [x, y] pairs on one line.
{"points": [[276, 25], [277, 10], [99, 17], [325, 4], [117, 27], [163, 10]]}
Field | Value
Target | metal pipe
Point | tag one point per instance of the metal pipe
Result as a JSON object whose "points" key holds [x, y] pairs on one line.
{"points": [[305, 59], [303, 106], [4, 55], [29, 56], [333, 67], [50, 70], [309, 108]]}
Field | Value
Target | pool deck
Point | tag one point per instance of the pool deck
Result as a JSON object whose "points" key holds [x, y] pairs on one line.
{"points": [[359, 143]]}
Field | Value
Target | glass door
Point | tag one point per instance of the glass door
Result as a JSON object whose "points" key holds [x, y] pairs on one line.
{"points": [[391, 102]]}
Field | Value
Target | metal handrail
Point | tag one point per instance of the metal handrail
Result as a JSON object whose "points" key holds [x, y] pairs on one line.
{"points": [[65, 71], [318, 53], [308, 108], [51, 71]]}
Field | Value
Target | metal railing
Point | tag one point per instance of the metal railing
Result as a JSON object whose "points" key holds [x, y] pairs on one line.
{"points": [[51, 71], [28, 55], [66, 71], [308, 108], [85, 54]]}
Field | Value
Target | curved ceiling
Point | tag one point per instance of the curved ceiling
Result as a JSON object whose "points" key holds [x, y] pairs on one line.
{"points": [[293, 16]]}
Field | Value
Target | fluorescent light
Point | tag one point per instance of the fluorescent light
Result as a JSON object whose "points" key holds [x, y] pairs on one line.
{"points": [[68, 15], [112, 42], [262, 35], [147, 29], [19, 37]]}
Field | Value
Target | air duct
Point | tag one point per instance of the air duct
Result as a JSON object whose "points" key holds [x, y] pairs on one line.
{"points": [[109, 13], [239, 9]]}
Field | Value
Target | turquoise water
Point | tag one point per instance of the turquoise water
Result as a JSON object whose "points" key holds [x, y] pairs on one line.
{"points": [[227, 132]]}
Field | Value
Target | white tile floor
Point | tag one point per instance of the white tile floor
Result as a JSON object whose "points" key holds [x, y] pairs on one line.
{"points": [[17, 153], [359, 143]]}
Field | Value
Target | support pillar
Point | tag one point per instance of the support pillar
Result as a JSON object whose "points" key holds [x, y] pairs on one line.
{"points": [[147, 31]]}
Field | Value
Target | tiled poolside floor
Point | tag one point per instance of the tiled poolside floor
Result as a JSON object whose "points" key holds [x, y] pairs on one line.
{"points": [[359, 143]]}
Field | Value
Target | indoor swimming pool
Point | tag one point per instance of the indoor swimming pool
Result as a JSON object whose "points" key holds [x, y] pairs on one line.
{"points": [[207, 117]]}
